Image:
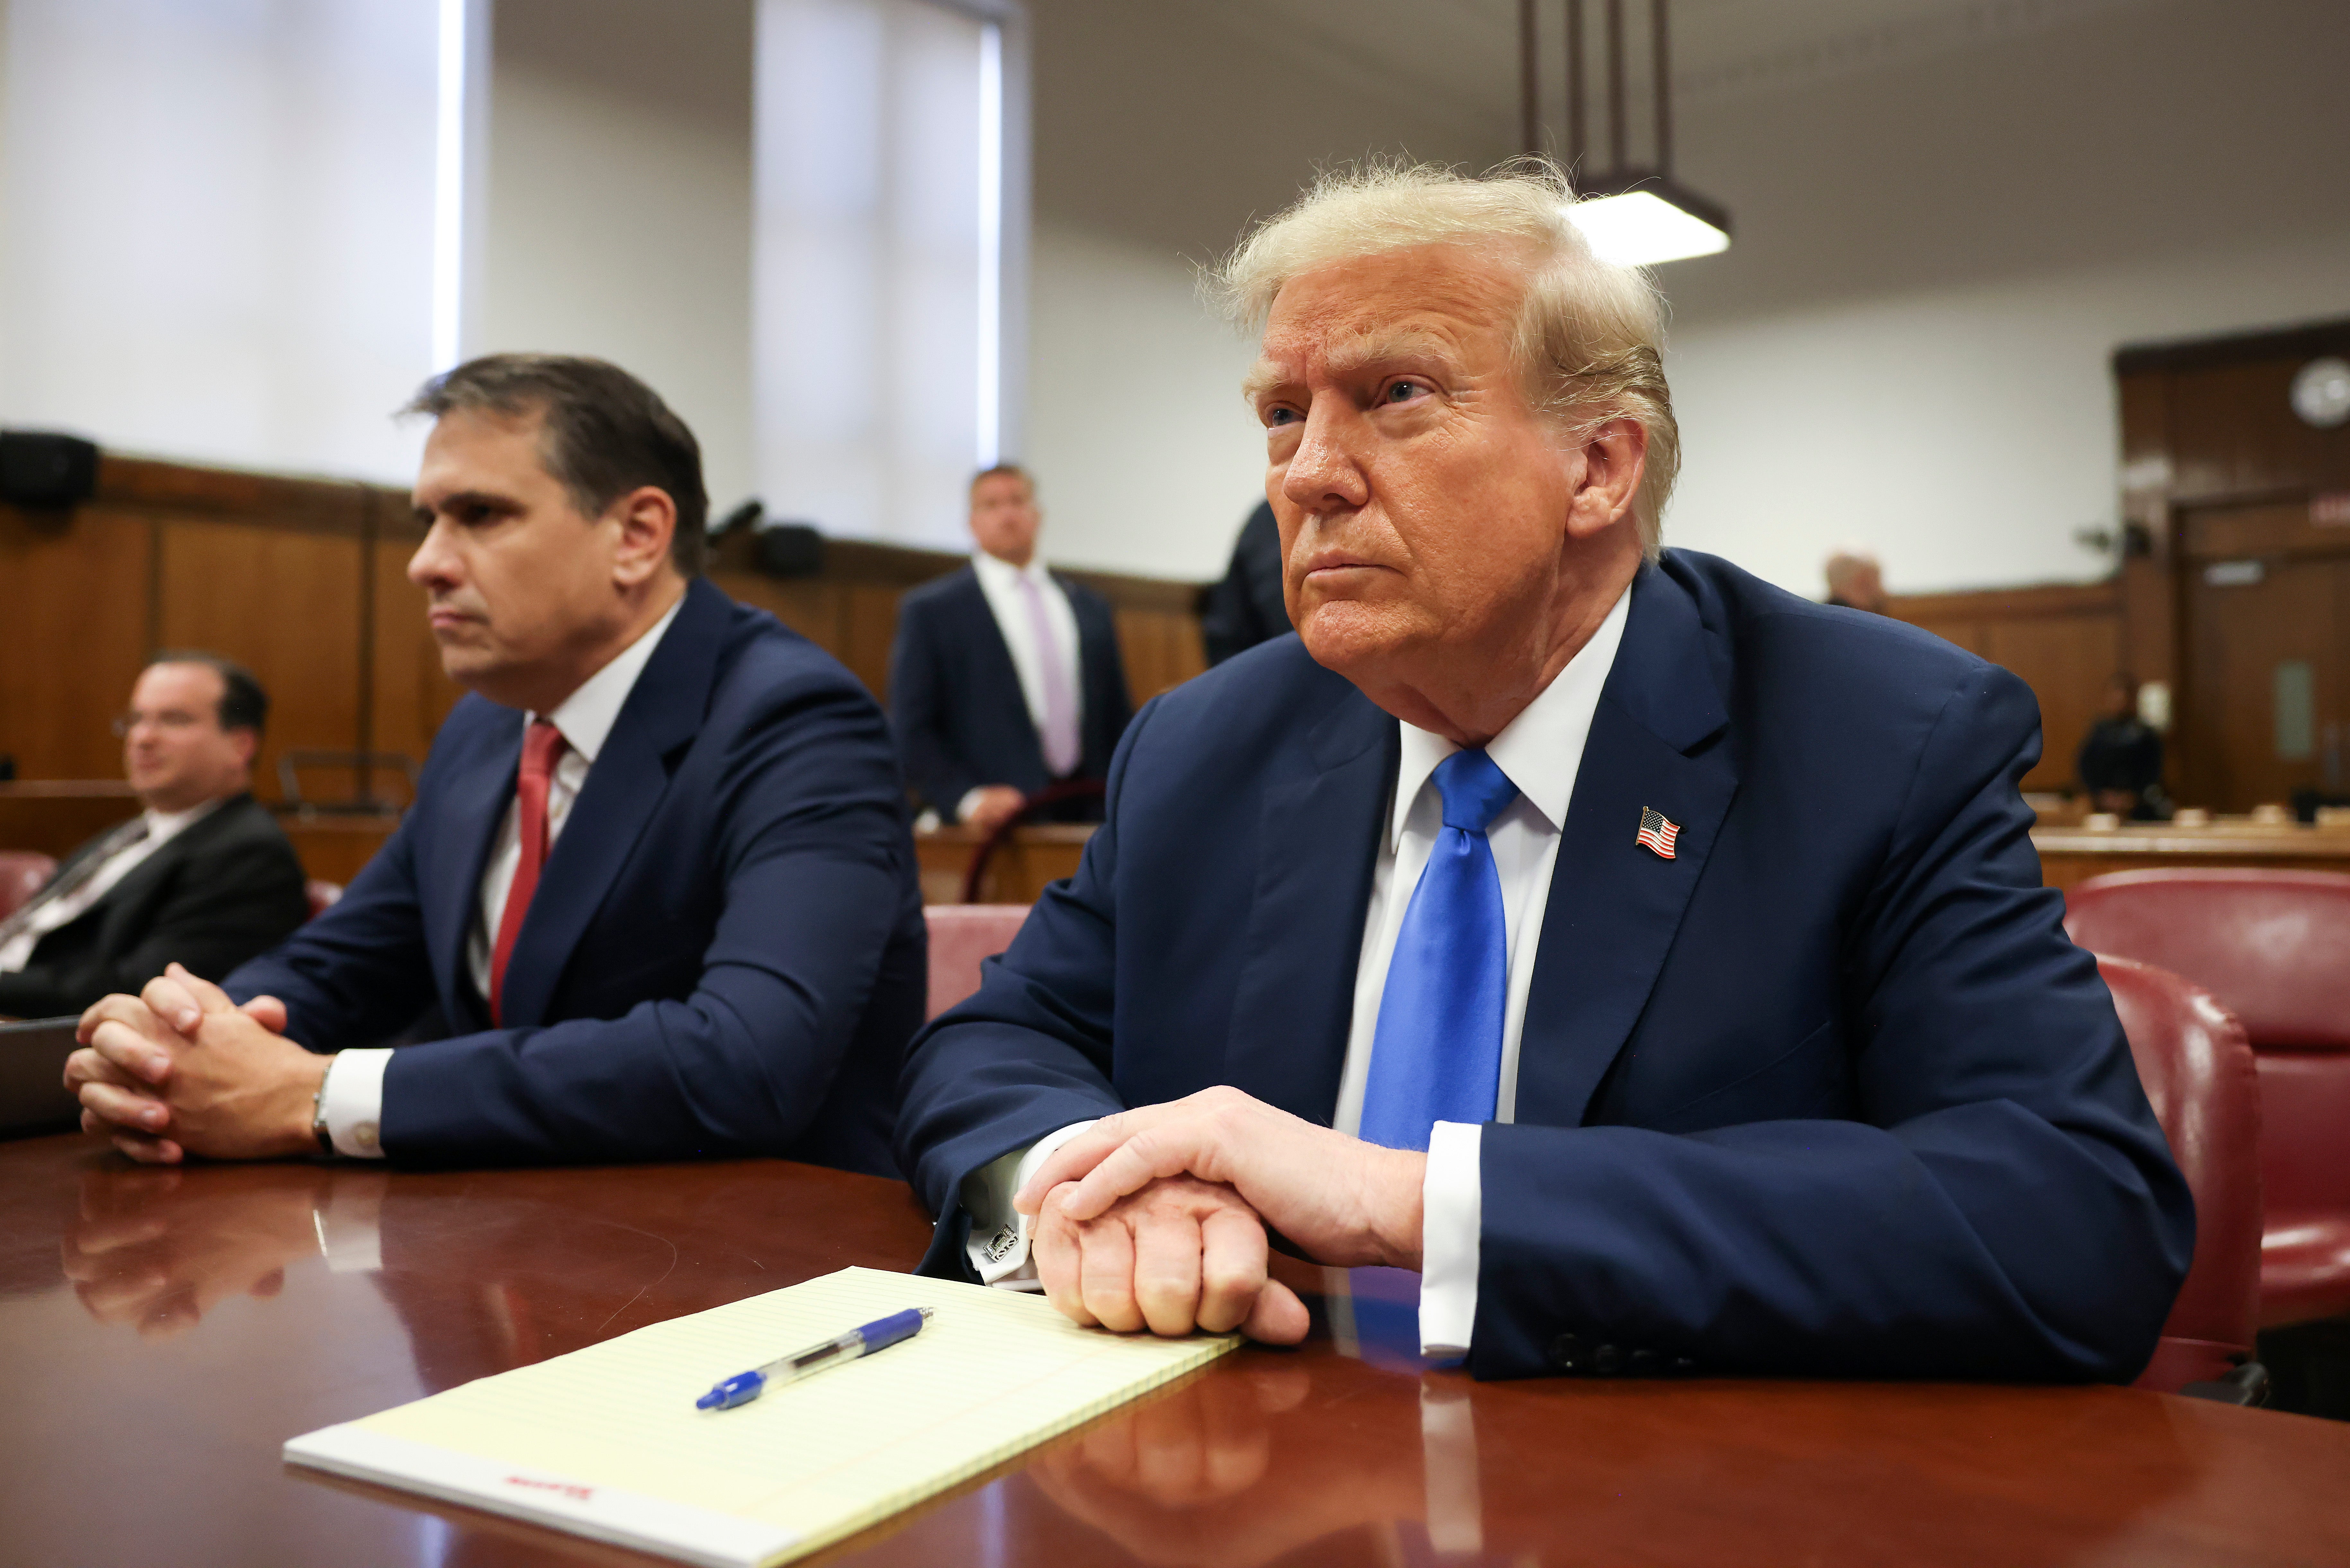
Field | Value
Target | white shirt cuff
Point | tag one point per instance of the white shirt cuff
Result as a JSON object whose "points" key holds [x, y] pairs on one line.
{"points": [[1452, 1213], [998, 1248], [969, 802], [353, 1101]]}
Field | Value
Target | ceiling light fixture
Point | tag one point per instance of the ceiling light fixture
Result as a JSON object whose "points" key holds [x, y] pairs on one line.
{"points": [[1636, 215]]}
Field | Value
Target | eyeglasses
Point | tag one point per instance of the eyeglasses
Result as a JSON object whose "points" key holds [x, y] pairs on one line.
{"points": [[167, 720]]}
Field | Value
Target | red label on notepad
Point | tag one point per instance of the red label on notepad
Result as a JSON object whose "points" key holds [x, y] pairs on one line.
{"points": [[572, 1490]]}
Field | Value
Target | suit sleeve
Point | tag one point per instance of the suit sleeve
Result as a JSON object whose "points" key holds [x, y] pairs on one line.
{"points": [[817, 874], [918, 702], [359, 973], [1016, 1063], [227, 902], [2003, 1206]]}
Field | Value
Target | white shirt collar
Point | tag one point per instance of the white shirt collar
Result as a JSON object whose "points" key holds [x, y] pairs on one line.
{"points": [[587, 715], [1002, 574], [1542, 749], [164, 825]]}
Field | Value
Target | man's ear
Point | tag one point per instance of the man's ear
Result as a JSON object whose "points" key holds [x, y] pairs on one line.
{"points": [[247, 743], [648, 523], [1615, 457]]}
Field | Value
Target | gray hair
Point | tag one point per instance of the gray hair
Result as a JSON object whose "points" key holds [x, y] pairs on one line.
{"points": [[1590, 334]]}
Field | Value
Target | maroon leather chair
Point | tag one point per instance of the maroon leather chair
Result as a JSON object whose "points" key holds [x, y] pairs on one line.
{"points": [[2275, 948], [962, 937], [2199, 1072], [22, 872]]}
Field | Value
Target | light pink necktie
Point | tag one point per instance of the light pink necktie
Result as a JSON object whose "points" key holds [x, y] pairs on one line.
{"points": [[1059, 731]]}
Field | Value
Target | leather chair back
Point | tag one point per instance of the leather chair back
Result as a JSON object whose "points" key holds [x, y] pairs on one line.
{"points": [[962, 937], [2273, 946], [2200, 1075], [22, 872]]}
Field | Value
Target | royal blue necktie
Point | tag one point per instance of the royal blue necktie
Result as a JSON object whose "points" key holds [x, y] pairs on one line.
{"points": [[1437, 1052]]}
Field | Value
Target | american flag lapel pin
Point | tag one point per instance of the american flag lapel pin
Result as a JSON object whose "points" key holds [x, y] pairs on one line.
{"points": [[1658, 831]]}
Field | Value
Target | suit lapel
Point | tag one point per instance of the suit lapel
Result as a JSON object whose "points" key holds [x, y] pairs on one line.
{"points": [[624, 788], [984, 638], [449, 890], [1295, 1000], [1615, 904]]}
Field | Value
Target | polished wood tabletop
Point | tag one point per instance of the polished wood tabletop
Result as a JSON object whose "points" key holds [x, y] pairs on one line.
{"points": [[163, 1332]]}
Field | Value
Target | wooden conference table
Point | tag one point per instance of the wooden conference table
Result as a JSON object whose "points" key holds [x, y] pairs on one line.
{"points": [[162, 1333]]}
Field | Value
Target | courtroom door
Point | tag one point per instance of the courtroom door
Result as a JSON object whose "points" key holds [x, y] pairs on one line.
{"points": [[2266, 706]]}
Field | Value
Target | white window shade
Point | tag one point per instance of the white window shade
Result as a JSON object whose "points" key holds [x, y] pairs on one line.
{"points": [[877, 263], [216, 227]]}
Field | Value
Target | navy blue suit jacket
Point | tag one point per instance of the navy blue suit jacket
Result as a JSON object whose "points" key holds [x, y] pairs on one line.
{"points": [[725, 954], [955, 698], [1828, 1093]]}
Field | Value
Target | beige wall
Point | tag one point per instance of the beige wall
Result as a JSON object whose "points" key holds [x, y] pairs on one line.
{"points": [[618, 207]]}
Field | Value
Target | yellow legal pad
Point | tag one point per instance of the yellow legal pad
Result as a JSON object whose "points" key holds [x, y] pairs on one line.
{"points": [[606, 1442]]}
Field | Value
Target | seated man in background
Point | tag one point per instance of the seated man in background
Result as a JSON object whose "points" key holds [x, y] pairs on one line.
{"points": [[1856, 581], [1004, 678], [1655, 961], [203, 875], [2120, 764], [658, 878]]}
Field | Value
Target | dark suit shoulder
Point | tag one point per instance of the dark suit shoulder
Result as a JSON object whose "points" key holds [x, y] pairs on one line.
{"points": [[938, 592], [764, 666], [1800, 666]]}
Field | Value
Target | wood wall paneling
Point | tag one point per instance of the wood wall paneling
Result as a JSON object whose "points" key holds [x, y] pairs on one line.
{"points": [[2064, 641], [284, 602], [2219, 467], [73, 601], [412, 696]]}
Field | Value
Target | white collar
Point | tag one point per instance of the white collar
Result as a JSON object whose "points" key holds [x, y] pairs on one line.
{"points": [[587, 715], [164, 825], [1542, 749], [1004, 574]]}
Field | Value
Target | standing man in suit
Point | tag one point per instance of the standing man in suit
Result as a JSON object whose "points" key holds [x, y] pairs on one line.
{"points": [[1005, 678], [202, 874], [1655, 961], [1246, 608], [657, 880]]}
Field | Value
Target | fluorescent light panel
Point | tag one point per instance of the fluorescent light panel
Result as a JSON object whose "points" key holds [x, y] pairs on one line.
{"points": [[1640, 228]]}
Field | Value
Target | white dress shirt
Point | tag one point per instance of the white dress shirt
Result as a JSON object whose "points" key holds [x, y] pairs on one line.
{"points": [[352, 1095], [1541, 751], [999, 581], [163, 826]]}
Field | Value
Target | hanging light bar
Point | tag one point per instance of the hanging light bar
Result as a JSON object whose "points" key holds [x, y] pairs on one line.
{"points": [[1638, 216]]}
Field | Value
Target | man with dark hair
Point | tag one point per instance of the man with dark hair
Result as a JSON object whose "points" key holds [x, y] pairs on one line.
{"points": [[202, 874], [1005, 677], [657, 885]]}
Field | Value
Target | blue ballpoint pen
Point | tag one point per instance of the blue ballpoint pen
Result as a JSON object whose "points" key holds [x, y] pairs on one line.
{"points": [[879, 1334]]}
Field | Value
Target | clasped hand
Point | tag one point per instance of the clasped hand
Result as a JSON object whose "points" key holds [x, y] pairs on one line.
{"points": [[179, 1069], [1156, 1218]]}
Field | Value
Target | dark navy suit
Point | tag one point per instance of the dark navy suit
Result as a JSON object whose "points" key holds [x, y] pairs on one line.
{"points": [[725, 954], [955, 698], [1829, 1092]]}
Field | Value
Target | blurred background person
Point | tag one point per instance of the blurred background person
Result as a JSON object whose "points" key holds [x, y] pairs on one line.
{"points": [[2121, 759], [1005, 677], [203, 875], [1856, 581], [1246, 608]]}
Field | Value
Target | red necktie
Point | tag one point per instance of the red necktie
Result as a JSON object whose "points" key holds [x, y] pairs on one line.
{"points": [[540, 747]]}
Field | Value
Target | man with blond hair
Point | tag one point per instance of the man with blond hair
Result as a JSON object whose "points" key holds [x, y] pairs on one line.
{"points": [[1654, 960]]}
